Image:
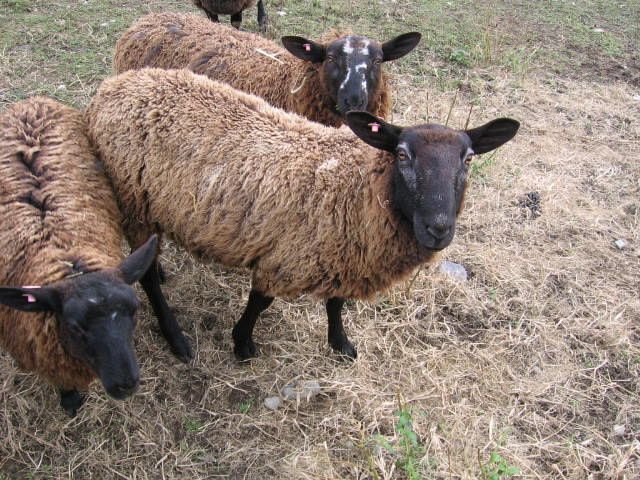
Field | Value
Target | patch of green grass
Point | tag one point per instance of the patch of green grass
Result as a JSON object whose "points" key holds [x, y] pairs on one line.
{"points": [[15, 6], [480, 166], [245, 406], [191, 425], [408, 449], [63, 49], [497, 468]]}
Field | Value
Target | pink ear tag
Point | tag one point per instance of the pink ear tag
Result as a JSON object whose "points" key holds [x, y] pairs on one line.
{"points": [[307, 47], [375, 127], [30, 298]]}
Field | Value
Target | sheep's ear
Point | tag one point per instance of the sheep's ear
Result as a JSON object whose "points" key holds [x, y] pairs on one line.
{"points": [[31, 299], [304, 49], [136, 265], [492, 135], [374, 131], [400, 46]]}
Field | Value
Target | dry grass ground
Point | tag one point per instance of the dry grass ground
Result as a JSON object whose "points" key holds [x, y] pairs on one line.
{"points": [[534, 362]]}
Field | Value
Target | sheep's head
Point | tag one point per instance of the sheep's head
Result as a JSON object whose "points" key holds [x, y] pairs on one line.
{"points": [[431, 168], [95, 314], [350, 68]]}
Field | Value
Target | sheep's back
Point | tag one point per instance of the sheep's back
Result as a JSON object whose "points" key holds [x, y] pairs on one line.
{"points": [[58, 215], [235, 180], [243, 60]]}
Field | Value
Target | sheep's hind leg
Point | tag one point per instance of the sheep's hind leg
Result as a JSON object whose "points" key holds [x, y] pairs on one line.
{"points": [[212, 16], [169, 327], [262, 16], [337, 336], [243, 345], [236, 20], [71, 401]]}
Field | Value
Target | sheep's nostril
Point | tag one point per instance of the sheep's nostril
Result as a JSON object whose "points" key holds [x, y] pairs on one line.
{"points": [[439, 230]]}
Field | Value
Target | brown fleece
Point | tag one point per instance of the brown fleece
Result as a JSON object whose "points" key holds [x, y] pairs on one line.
{"points": [[59, 218], [224, 7], [306, 207], [174, 40]]}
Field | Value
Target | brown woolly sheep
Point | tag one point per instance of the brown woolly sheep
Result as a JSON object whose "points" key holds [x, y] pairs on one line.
{"points": [[60, 238], [309, 209], [213, 8], [320, 81]]}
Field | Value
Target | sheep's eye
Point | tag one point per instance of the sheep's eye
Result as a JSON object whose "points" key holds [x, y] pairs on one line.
{"points": [[377, 61], [331, 58], [467, 156]]}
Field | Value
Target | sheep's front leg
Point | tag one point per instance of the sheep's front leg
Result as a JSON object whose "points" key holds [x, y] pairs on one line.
{"points": [[236, 20], [169, 327], [71, 401], [212, 16], [337, 337], [242, 334], [262, 16]]}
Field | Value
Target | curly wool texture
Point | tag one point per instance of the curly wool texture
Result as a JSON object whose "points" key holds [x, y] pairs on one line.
{"points": [[174, 40], [306, 207], [224, 7], [59, 218]]}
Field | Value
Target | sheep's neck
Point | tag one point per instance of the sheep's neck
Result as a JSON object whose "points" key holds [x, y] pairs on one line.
{"points": [[391, 251], [310, 99]]}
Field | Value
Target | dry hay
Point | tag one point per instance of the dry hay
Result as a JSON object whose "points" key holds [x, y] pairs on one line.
{"points": [[536, 357]]}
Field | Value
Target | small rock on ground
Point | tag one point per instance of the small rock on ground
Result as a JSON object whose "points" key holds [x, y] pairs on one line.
{"points": [[620, 243], [272, 403], [454, 270]]}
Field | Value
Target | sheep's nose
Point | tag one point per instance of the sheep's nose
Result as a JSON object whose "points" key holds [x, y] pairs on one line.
{"points": [[356, 102], [439, 230]]}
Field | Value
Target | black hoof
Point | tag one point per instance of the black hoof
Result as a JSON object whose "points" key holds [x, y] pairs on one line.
{"points": [[346, 349], [181, 348], [245, 351], [71, 401]]}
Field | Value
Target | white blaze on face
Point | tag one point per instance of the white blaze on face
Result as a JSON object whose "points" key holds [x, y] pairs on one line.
{"points": [[347, 48], [365, 49], [346, 79], [360, 69]]}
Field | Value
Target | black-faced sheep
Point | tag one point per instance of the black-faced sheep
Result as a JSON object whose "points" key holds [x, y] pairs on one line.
{"points": [[213, 8], [309, 209], [61, 244], [320, 81]]}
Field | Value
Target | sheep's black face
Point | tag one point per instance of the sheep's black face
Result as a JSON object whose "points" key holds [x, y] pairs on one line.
{"points": [[96, 325], [430, 179], [351, 72], [351, 66], [95, 313], [431, 169]]}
